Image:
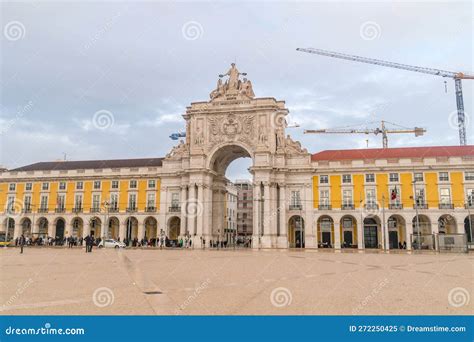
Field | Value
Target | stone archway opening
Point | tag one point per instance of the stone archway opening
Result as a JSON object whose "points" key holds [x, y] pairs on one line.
{"points": [[174, 230], [113, 228], [397, 236], [231, 225], [372, 234], [60, 230], [348, 231], [77, 227], [26, 227], [447, 224], [296, 232]]}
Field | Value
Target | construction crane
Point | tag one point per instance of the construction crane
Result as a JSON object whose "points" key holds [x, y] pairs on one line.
{"points": [[457, 76], [378, 130]]}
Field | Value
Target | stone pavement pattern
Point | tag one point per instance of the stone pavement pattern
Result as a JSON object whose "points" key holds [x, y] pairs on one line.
{"points": [[59, 281]]}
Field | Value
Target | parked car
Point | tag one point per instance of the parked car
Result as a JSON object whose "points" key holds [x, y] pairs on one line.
{"points": [[111, 243]]}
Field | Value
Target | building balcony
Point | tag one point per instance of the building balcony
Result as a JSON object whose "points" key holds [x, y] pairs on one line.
{"points": [[395, 206], [150, 209], [174, 209], [10, 211], [131, 209], [77, 210], [59, 210], [347, 206], [420, 206], [114, 210], [42, 210], [95, 210], [26, 210], [324, 207], [371, 206], [295, 207], [446, 206]]}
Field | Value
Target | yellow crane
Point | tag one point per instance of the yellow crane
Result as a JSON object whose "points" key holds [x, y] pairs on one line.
{"points": [[377, 130]]}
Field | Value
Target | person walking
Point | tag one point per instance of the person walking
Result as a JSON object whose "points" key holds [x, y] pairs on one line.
{"points": [[21, 242]]}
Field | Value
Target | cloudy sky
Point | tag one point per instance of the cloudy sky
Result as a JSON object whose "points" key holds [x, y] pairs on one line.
{"points": [[139, 64]]}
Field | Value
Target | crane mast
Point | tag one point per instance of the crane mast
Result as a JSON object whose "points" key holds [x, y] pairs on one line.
{"points": [[457, 76]]}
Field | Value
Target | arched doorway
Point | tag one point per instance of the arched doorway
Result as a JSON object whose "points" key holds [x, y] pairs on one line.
{"points": [[43, 226], [131, 230], [77, 227], [447, 224], [371, 232], [325, 226], [468, 228], [151, 228], [224, 218], [26, 227], [348, 231], [396, 232], [422, 234], [59, 233], [95, 227], [296, 237], [114, 228], [174, 224]]}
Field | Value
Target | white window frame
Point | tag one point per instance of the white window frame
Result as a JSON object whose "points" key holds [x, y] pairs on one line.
{"points": [[321, 179]]}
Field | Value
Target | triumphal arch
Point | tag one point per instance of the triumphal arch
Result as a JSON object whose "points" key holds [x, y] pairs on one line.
{"points": [[235, 123]]}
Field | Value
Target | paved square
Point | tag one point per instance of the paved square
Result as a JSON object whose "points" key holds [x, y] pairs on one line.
{"points": [[147, 282]]}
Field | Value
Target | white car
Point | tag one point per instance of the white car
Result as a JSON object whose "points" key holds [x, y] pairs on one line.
{"points": [[111, 243]]}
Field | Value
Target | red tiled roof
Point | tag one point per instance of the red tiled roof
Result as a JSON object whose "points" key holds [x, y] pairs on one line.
{"points": [[91, 164], [389, 153]]}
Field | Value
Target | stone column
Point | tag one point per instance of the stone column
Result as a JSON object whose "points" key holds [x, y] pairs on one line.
{"points": [[52, 230], [267, 214], [17, 231], [283, 239], [256, 215], [409, 232], [184, 219], [199, 212], [337, 234], [86, 229], [191, 219], [360, 234], [34, 229], [123, 230], [308, 217], [207, 212], [435, 232], [141, 231]]}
